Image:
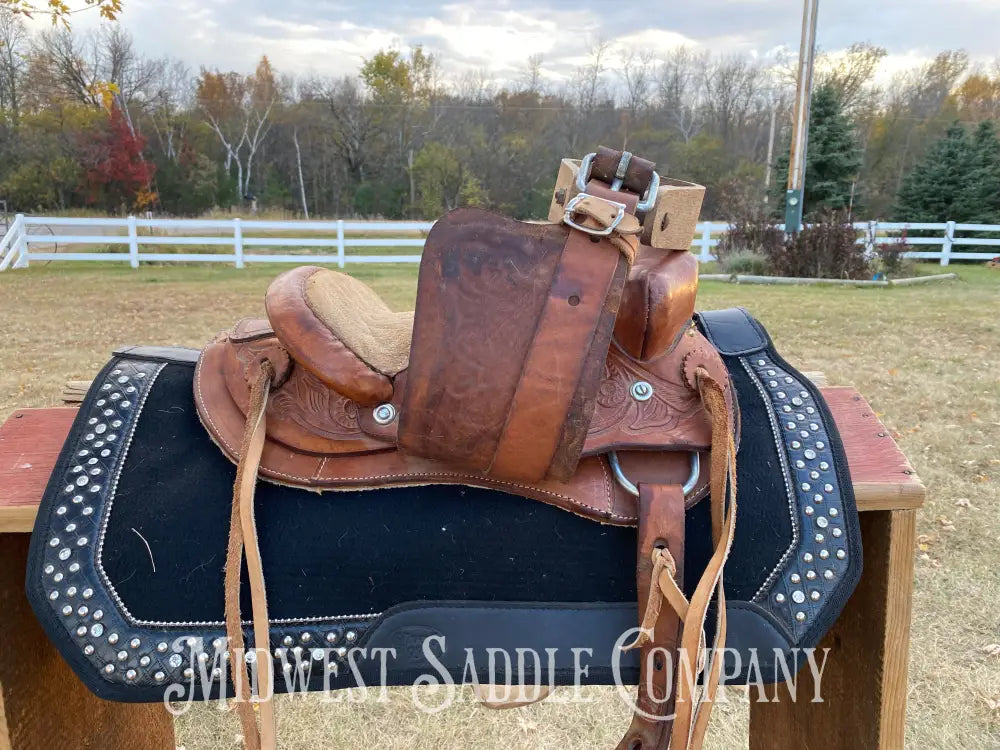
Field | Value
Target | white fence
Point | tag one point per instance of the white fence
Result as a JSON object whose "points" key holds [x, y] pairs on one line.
{"points": [[38, 238]]}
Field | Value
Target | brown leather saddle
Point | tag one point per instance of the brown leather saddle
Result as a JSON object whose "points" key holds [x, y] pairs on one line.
{"points": [[556, 361]]}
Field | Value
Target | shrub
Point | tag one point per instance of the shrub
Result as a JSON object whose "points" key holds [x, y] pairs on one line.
{"points": [[745, 262], [890, 260], [751, 233], [827, 249]]}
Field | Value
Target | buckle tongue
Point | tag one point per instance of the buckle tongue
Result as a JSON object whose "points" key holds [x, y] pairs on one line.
{"points": [[580, 203]]}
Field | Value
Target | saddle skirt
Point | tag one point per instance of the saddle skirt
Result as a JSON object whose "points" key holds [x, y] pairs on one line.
{"points": [[558, 363]]}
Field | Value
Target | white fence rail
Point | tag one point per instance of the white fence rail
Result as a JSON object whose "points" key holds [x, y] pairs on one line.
{"points": [[38, 238]]}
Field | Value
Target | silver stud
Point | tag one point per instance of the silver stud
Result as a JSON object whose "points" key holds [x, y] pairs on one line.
{"points": [[841, 554], [88, 650], [824, 554], [74, 567], [203, 658], [83, 611], [216, 673], [823, 465], [837, 532], [810, 575], [790, 425], [779, 598], [175, 660], [140, 374], [797, 401], [123, 379], [814, 475], [800, 464], [98, 614], [800, 616], [787, 409], [350, 636], [772, 383], [85, 452], [58, 577], [82, 541], [796, 578], [331, 667], [88, 511], [144, 661], [819, 538], [109, 668], [771, 373], [159, 676], [813, 426], [122, 655], [814, 595], [217, 644], [130, 389], [105, 453], [113, 639], [341, 651], [53, 595], [796, 445], [641, 390], [96, 471], [800, 417], [77, 499], [798, 597], [810, 410], [317, 654], [97, 630], [806, 486], [134, 643], [828, 574], [250, 657], [71, 591], [95, 488], [820, 445], [91, 461], [188, 673], [48, 569], [809, 453], [807, 557], [822, 522], [817, 498], [780, 394], [67, 610], [64, 553], [162, 647], [827, 488], [87, 593], [305, 638], [81, 631], [809, 510], [384, 413], [70, 528], [804, 433], [761, 363], [287, 640]]}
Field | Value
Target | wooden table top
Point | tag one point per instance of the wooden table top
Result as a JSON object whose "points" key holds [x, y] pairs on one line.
{"points": [[30, 441]]}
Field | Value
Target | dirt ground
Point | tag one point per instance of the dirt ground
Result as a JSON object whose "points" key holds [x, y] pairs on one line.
{"points": [[926, 357]]}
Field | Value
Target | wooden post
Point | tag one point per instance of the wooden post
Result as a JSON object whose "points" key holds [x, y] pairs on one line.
{"points": [[949, 236], [42, 703], [133, 243], [863, 686], [340, 243], [238, 241], [21, 242], [706, 242]]}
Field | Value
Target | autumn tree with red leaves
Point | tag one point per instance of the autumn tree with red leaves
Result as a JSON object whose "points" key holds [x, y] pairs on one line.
{"points": [[117, 175]]}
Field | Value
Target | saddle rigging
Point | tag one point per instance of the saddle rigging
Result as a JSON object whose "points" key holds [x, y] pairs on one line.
{"points": [[517, 369]]}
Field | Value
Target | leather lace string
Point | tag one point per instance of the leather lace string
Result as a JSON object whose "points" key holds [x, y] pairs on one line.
{"points": [[243, 538]]}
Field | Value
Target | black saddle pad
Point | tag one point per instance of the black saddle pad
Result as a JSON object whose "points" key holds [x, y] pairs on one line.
{"points": [[126, 566]]}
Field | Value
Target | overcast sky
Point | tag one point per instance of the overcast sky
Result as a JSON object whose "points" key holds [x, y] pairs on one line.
{"points": [[332, 36]]}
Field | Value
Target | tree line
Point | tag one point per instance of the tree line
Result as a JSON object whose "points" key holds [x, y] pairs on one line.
{"points": [[88, 120]]}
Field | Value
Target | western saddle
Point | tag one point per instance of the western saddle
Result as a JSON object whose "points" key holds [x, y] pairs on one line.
{"points": [[556, 361]]}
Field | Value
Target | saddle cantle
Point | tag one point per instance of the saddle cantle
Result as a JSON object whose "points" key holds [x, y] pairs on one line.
{"points": [[562, 363]]}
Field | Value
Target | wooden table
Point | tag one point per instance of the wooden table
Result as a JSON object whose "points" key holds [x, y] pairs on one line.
{"points": [[43, 705]]}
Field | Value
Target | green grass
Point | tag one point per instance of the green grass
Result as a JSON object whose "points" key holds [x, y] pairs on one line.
{"points": [[926, 357]]}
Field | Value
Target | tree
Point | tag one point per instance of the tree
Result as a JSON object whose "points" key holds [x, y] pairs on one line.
{"points": [[117, 174], [957, 180], [833, 158]]}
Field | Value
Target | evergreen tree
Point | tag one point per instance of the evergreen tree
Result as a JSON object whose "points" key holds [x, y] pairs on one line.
{"points": [[941, 186], [984, 179], [833, 158]]}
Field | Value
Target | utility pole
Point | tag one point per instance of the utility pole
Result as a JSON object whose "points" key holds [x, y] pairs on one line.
{"points": [[770, 150], [800, 124]]}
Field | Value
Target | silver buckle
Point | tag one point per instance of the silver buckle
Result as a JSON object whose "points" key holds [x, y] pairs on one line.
{"points": [[630, 487], [645, 203], [577, 199]]}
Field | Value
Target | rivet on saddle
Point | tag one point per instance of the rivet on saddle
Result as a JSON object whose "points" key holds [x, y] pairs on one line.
{"points": [[541, 358]]}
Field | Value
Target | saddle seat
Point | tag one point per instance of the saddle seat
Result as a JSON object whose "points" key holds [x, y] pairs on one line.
{"points": [[341, 331]]}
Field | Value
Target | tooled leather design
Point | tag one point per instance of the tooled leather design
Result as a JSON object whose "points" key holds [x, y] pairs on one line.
{"points": [[617, 409], [309, 403]]}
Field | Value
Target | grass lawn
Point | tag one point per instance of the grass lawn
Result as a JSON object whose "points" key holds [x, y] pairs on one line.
{"points": [[926, 357]]}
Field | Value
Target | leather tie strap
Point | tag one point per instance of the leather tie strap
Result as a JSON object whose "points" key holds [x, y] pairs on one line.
{"points": [[243, 537]]}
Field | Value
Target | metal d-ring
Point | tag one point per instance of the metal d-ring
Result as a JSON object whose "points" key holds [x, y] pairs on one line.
{"points": [[630, 488]]}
